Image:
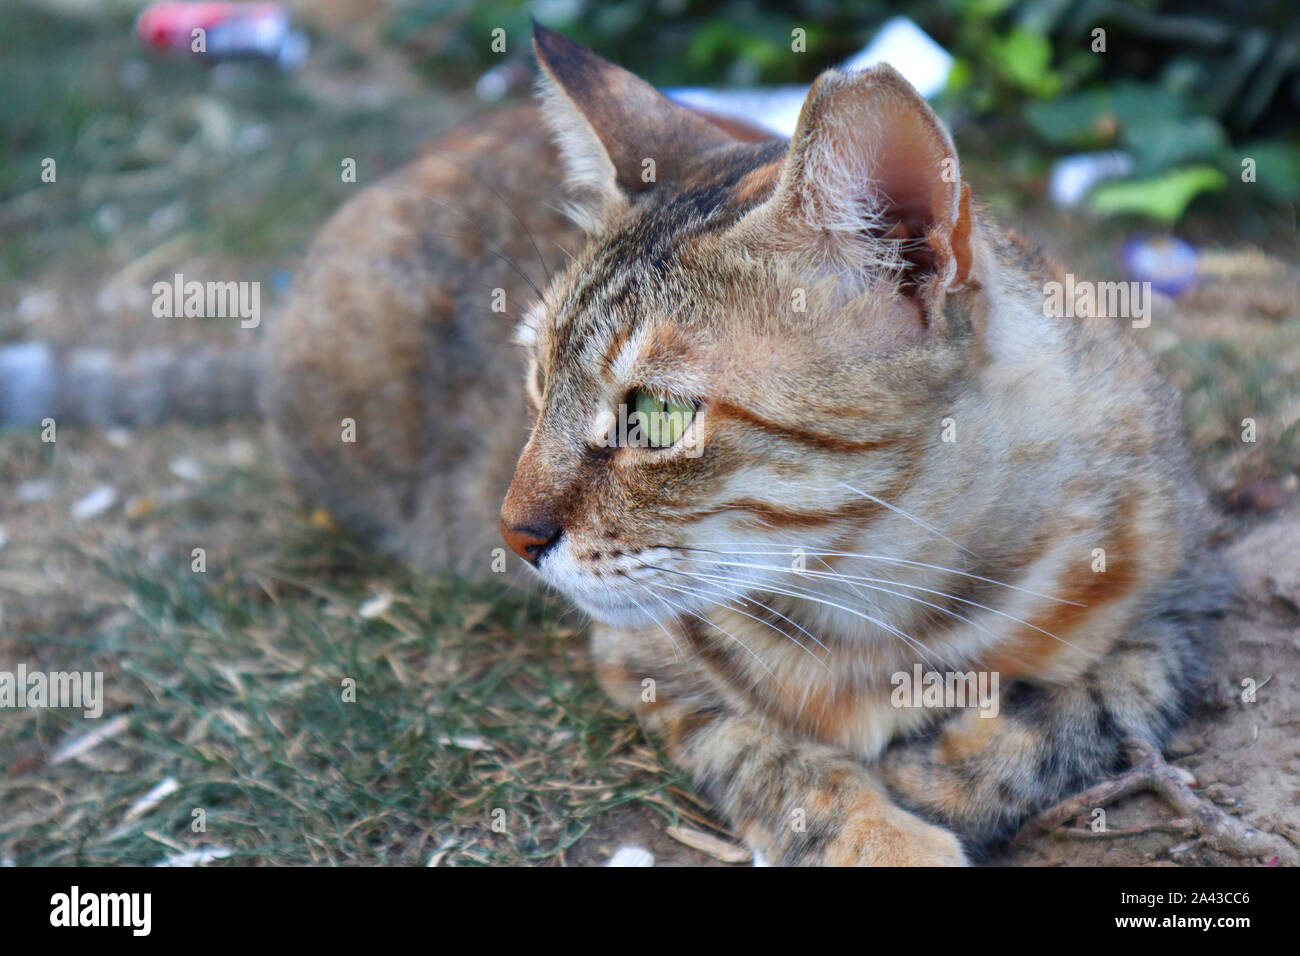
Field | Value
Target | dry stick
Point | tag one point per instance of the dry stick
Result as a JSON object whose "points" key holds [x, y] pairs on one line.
{"points": [[1149, 771], [1178, 827]]}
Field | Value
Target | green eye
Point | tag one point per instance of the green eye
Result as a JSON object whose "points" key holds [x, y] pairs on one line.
{"points": [[661, 420]]}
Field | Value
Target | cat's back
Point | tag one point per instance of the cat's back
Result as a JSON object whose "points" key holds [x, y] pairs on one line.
{"points": [[390, 379]]}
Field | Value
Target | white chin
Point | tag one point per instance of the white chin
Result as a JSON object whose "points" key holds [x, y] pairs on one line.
{"points": [[616, 612], [630, 602]]}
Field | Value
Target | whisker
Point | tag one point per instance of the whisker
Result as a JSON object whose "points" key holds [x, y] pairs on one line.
{"points": [[498, 251], [676, 647], [500, 255], [705, 594], [817, 552], [856, 584], [719, 627], [907, 639], [740, 590], [572, 257], [871, 581], [899, 511]]}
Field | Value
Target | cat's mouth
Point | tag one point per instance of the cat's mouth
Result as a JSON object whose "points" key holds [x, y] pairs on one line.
{"points": [[639, 589], [618, 589]]}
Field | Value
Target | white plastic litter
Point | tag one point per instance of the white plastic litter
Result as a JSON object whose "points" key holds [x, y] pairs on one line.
{"points": [[899, 42], [909, 50], [1072, 176]]}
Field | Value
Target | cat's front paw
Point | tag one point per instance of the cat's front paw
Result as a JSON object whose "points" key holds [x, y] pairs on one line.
{"points": [[869, 837]]}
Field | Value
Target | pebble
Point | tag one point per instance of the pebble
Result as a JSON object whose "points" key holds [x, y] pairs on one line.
{"points": [[95, 503], [186, 468], [38, 489], [375, 607], [629, 855]]}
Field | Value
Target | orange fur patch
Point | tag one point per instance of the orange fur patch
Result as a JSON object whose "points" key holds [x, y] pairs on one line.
{"points": [[1028, 650]]}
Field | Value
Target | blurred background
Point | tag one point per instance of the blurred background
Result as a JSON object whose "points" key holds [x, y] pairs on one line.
{"points": [[1166, 148]]}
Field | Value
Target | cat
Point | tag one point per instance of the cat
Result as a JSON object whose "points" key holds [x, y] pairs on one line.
{"points": [[885, 458], [787, 419], [859, 450]]}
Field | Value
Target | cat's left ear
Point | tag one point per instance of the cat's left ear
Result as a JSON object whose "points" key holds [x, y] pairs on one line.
{"points": [[619, 136], [871, 162]]}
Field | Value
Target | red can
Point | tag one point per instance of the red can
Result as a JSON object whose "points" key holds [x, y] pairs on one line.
{"points": [[223, 31]]}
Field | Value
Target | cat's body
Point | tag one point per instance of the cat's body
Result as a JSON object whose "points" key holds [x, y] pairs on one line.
{"points": [[893, 459], [392, 325]]}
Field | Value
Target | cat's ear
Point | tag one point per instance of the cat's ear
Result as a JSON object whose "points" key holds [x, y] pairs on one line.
{"points": [[871, 165], [618, 134]]}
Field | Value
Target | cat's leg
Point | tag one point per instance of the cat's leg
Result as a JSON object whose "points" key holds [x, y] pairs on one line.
{"points": [[983, 776], [794, 802]]}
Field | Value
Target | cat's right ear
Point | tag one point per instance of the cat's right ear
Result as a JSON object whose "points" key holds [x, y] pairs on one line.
{"points": [[872, 174], [618, 135]]}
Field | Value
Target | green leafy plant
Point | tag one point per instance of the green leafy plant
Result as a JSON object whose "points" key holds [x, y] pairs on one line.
{"points": [[1170, 90]]}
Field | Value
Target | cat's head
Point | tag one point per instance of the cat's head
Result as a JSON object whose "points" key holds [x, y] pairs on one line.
{"points": [[753, 350]]}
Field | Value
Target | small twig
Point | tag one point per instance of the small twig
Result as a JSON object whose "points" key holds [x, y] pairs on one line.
{"points": [[1149, 771], [1179, 827]]}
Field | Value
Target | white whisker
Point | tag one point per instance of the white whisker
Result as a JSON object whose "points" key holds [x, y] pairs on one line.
{"points": [[676, 648], [719, 627], [899, 511], [871, 582], [907, 639], [818, 552], [708, 597]]}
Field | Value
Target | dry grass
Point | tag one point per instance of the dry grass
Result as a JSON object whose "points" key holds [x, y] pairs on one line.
{"points": [[232, 681]]}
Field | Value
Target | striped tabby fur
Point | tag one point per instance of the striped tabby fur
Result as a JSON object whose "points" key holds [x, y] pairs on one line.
{"points": [[835, 307]]}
